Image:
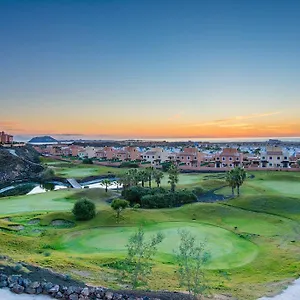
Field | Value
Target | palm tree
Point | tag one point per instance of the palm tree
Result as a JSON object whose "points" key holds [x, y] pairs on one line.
{"points": [[125, 180], [173, 176], [241, 176], [158, 176], [236, 178], [230, 178], [134, 176], [143, 176], [150, 171], [107, 183]]}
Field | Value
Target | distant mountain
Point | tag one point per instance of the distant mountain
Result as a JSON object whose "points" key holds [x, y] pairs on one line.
{"points": [[43, 140]]}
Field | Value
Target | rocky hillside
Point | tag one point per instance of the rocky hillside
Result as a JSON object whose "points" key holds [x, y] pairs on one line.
{"points": [[19, 164]]}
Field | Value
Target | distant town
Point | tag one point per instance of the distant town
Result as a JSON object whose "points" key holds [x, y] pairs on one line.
{"points": [[188, 156]]}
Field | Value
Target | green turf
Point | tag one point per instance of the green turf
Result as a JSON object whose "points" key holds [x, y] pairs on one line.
{"points": [[60, 200], [227, 250], [254, 237]]}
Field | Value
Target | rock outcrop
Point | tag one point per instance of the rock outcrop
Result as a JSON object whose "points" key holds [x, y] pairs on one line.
{"points": [[19, 163]]}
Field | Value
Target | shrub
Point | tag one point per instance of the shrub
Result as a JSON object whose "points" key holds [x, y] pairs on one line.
{"points": [[84, 210], [134, 194], [129, 164], [87, 161], [158, 197], [198, 191], [47, 175]]}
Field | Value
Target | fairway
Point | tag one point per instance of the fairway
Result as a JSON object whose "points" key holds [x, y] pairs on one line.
{"points": [[282, 187], [60, 200], [50, 201], [227, 250]]}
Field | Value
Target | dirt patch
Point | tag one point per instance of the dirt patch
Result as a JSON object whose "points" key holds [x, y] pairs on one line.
{"points": [[6, 219], [34, 221], [62, 223]]}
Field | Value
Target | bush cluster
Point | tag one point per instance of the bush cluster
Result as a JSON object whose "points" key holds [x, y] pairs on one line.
{"points": [[158, 197], [87, 161], [129, 164], [84, 210]]}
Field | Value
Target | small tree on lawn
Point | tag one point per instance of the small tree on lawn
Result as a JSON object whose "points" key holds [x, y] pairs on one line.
{"points": [[191, 258], [84, 210], [139, 256], [107, 183], [118, 205]]}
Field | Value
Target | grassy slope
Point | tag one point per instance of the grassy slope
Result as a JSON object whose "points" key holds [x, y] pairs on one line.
{"points": [[262, 215]]}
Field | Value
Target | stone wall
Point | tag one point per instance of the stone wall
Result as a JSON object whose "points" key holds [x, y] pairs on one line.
{"points": [[19, 285]]}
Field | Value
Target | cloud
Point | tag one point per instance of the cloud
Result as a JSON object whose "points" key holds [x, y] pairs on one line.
{"points": [[235, 125], [228, 122], [176, 116], [10, 126]]}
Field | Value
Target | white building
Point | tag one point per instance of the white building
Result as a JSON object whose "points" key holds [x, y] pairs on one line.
{"points": [[274, 157], [156, 156]]}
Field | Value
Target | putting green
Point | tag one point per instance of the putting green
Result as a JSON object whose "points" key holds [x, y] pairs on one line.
{"points": [[227, 250]]}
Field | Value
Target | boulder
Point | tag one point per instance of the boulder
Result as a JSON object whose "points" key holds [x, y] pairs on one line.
{"points": [[17, 289]]}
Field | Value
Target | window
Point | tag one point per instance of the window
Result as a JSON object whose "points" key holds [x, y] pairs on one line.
{"points": [[270, 165], [182, 157], [285, 157], [270, 157], [152, 156], [278, 157], [158, 156], [230, 165], [195, 157], [223, 158], [237, 158], [218, 158], [188, 158], [263, 157], [230, 158]]}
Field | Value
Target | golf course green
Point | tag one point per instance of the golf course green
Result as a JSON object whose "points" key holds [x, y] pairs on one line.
{"points": [[225, 248]]}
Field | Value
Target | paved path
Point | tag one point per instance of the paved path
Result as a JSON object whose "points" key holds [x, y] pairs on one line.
{"points": [[74, 183], [291, 293], [7, 295]]}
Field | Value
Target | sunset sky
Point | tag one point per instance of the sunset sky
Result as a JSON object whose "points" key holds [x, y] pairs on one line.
{"points": [[150, 68]]}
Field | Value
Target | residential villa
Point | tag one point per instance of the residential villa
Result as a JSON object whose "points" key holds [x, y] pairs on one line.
{"points": [[6, 138], [156, 156], [190, 156], [229, 157], [274, 157]]}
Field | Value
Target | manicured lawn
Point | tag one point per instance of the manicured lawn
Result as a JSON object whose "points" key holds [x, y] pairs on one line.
{"points": [[79, 171], [227, 250], [61, 200], [191, 180]]}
